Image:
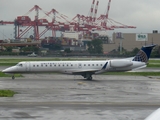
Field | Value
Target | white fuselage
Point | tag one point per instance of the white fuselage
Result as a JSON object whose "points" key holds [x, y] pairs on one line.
{"points": [[70, 67]]}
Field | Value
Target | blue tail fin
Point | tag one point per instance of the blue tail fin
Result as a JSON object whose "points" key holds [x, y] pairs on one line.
{"points": [[144, 54]]}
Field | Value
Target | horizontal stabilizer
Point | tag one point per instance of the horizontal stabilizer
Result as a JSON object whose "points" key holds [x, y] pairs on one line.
{"points": [[139, 68]]}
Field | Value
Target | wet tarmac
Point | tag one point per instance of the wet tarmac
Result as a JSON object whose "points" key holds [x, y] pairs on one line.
{"points": [[67, 97]]}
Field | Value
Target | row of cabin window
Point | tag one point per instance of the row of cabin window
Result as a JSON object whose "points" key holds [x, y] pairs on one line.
{"points": [[66, 65]]}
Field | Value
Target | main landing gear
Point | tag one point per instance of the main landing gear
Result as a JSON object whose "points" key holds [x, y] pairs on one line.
{"points": [[88, 76]]}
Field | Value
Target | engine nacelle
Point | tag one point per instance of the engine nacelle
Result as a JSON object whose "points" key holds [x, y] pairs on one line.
{"points": [[120, 63]]}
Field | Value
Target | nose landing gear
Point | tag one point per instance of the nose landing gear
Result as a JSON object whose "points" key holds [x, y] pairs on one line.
{"points": [[13, 77]]}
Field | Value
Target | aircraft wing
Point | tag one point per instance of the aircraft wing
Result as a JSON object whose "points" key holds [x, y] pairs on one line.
{"points": [[81, 71], [134, 70], [154, 116]]}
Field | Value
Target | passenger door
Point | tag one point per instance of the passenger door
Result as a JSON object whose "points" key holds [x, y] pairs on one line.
{"points": [[27, 66]]}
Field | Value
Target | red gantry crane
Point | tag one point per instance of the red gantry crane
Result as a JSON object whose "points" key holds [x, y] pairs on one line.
{"points": [[28, 23], [78, 23], [104, 20]]}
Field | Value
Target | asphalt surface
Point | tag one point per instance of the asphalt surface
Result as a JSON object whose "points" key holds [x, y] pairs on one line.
{"points": [[67, 97]]}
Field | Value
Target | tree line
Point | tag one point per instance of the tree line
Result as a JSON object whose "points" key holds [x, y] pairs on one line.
{"points": [[95, 47]]}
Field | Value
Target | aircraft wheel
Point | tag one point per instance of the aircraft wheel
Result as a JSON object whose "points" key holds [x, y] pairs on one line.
{"points": [[13, 77], [89, 78]]}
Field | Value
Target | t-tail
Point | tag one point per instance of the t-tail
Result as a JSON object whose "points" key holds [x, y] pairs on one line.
{"points": [[144, 54]]}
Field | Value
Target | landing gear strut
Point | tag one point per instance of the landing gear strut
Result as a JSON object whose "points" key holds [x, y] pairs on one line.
{"points": [[88, 76]]}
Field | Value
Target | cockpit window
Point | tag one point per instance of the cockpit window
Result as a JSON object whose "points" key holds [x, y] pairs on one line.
{"points": [[20, 65]]}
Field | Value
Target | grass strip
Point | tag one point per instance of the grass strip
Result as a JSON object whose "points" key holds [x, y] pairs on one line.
{"points": [[7, 93], [133, 73], [9, 75], [153, 65], [154, 61]]}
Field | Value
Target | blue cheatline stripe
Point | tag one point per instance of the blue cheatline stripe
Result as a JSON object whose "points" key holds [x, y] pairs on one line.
{"points": [[104, 67]]}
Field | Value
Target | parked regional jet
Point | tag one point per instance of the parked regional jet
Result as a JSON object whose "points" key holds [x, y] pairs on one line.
{"points": [[84, 68]]}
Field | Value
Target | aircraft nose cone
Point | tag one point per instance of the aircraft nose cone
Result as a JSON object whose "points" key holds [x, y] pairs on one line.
{"points": [[4, 71], [7, 70], [10, 70]]}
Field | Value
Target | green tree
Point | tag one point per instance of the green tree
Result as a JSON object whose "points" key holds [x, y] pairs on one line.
{"points": [[95, 46], [135, 51], [67, 50], [9, 49], [156, 52], [30, 49]]}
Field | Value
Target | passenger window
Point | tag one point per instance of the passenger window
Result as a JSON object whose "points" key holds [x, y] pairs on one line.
{"points": [[88, 64], [33, 65], [92, 64]]}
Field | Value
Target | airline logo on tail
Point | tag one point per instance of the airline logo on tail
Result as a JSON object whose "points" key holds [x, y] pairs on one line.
{"points": [[141, 56], [144, 54]]}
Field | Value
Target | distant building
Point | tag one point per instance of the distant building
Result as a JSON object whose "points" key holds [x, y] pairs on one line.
{"points": [[71, 34], [132, 40]]}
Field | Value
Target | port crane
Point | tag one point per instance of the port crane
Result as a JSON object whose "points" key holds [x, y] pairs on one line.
{"points": [[60, 22]]}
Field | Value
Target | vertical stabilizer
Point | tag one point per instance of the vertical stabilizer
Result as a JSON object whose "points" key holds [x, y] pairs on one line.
{"points": [[144, 54]]}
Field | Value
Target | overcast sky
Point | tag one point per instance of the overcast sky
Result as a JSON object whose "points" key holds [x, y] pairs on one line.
{"points": [[144, 14]]}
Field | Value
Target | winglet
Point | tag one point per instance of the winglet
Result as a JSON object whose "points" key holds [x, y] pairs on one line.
{"points": [[144, 54], [105, 65]]}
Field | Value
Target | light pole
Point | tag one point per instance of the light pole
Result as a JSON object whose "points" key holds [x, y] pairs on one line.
{"points": [[120, 37], [11, 36]]}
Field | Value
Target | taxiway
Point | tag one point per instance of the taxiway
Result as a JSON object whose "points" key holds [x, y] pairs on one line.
{"points": [[68, 97]]}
